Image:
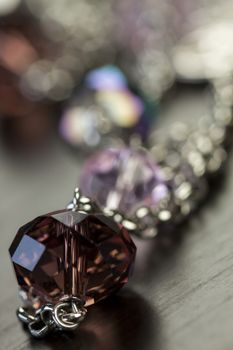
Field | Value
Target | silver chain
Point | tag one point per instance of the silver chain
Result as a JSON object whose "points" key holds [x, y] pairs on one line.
{"points": [[188, 157], [66, 315]]}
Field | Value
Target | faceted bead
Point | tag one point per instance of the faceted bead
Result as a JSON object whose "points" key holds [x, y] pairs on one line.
{"points": [[105, 107], [71, 253], [124, 180]]}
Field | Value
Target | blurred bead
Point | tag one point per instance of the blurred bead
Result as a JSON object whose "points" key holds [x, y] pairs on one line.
{"points": [[21, 35], [184, 191], [105, 106], [11, 42], [43, 80], [216, 160], [217, 134], [124, 179]]}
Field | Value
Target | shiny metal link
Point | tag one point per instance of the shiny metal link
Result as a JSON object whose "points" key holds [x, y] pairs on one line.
{"points": [[82, 203], [64, 316]]}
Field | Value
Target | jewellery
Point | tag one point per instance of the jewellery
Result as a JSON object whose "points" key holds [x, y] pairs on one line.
{"points": [[54, 254], [67, 260], [104, 107], [156, 191]]}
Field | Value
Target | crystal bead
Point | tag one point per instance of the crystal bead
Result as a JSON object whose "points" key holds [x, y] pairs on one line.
{"points": [[124, 180], [71, 253]]}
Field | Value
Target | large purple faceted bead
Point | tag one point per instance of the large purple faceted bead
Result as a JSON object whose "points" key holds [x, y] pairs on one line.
{"points": [[71, 253], [123, 179]]}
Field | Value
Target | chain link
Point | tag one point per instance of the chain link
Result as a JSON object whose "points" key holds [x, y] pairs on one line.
{"points": [[65, 315]]}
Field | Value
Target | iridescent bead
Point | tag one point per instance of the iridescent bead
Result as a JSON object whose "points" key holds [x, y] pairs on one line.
{"points": [[105, 108]]}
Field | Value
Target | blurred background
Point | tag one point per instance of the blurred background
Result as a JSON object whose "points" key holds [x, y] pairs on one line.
{"points": [[79, 75], [57, 58]]}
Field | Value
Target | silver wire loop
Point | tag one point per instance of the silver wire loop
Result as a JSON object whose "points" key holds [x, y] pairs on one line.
{"points": [[83, 203], [66, 315]]}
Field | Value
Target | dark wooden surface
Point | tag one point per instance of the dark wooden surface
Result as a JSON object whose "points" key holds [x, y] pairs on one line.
{"points": [[180, 298]]}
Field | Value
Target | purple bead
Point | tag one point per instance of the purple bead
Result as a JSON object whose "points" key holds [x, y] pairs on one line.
{"points": [[123, 179], [71, 253]]}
